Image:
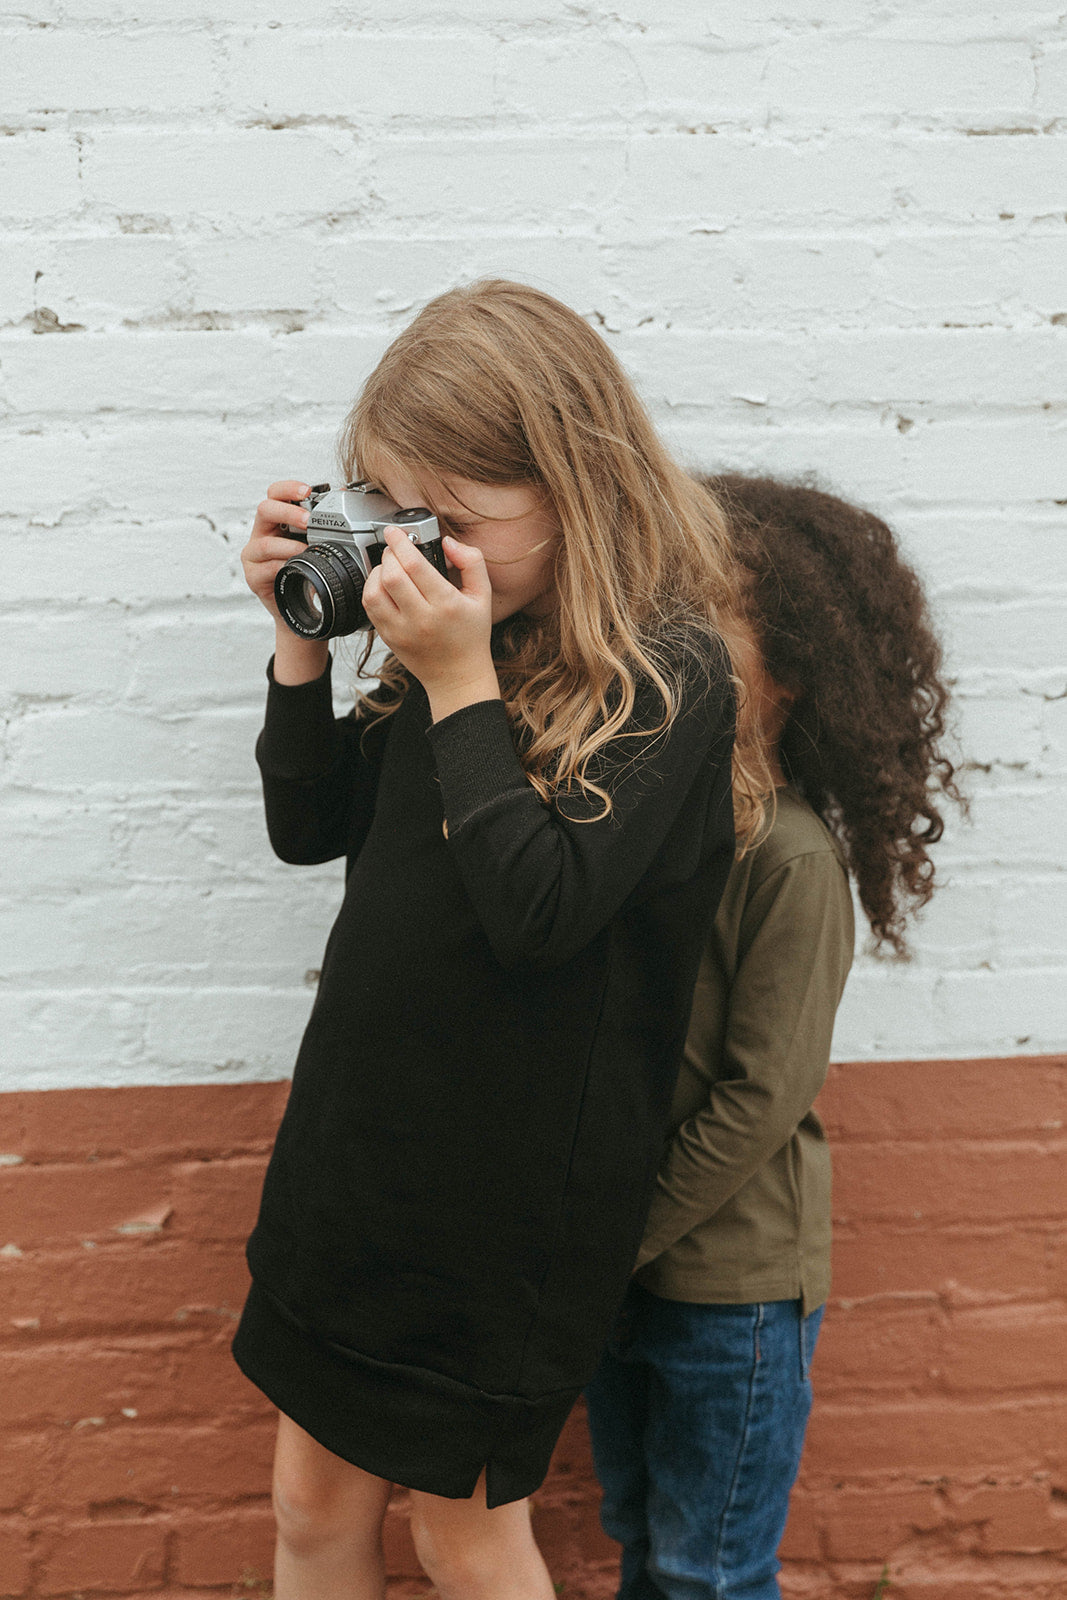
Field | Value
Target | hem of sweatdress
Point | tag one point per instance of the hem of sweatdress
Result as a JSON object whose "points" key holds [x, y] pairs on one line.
{"points": [[407, 1425]]}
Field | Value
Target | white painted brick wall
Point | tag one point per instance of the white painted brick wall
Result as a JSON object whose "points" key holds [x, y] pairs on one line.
{"points": [[826, 236]]}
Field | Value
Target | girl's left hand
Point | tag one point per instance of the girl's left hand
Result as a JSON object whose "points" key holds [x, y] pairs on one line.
{"points": [[437, 629]]}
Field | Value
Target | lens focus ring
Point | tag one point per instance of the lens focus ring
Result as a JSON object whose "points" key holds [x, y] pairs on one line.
{"points": [[319, 593]]}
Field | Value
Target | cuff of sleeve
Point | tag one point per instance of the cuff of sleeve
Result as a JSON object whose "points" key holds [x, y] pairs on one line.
{"points": [[299, 738], [476, 759], [667, 1222], [651, 1247]]}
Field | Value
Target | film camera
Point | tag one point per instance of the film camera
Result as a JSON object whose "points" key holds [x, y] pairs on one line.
{"points": [[320, 591]]}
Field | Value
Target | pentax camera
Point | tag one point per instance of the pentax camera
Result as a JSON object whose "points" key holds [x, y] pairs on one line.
{"points": [[320, 591]]}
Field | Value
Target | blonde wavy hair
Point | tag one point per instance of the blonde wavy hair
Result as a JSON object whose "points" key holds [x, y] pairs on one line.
{"points": [[498, 383]]}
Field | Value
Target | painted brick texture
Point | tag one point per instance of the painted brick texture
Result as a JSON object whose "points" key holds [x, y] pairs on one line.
{"points": [[827, 238], [136, 1458]]}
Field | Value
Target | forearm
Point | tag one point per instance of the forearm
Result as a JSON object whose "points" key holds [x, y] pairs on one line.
{"points": [[717, 1150], [547, 878], [298, 660], [772, 1059], [318, 781], [446, 698]]}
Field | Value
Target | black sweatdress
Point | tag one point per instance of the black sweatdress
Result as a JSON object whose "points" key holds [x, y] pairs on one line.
{"points": [[459, 1183]]}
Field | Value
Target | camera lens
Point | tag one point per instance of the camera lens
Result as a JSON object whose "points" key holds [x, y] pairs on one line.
{"points": [[309, 600], [319, 593]]}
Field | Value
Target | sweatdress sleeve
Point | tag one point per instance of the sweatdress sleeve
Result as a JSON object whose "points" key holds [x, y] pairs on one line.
{"points": [[320, 775], [546, 879]]}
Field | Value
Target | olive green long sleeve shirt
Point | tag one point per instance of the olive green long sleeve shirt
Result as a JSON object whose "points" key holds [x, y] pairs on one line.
{"points": [[741, 1210]]}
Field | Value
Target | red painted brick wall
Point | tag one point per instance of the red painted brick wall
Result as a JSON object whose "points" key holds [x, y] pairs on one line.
{"points": [[135, 1460]]}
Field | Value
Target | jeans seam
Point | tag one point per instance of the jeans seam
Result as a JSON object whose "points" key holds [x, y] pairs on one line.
{"points": [[720, 1580], [807, 1344]]}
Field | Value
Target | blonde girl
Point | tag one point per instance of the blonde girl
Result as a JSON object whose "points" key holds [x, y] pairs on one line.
{"points": [[537, 810]]}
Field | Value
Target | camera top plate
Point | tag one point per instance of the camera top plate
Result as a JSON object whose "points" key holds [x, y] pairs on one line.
{"points": [[360, 508]]}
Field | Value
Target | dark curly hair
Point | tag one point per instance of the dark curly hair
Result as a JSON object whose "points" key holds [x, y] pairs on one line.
{"points": [[843, 622]]}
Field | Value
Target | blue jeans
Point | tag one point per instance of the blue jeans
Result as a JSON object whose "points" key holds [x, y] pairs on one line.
{"points": [[697, 1414]]}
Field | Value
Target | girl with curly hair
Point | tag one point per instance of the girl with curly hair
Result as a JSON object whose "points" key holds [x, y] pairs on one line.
{"points": [[700, 1403]]}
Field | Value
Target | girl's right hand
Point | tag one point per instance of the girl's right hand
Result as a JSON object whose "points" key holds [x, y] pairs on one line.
{"points": [[267, 550], [296, 660]]}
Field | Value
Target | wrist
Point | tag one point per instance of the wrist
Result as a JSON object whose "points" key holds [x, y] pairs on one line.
{"points": [[445, 698], [298, 660]]}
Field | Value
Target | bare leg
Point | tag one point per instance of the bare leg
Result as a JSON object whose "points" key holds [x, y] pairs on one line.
{"points": [[329, 1518], [472, 1553]]}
